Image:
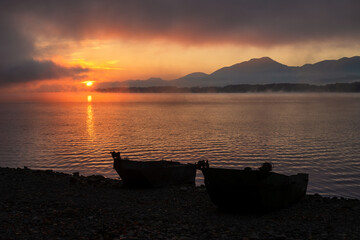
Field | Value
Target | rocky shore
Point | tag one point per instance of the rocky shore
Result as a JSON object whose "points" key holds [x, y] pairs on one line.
{"points": [[49, 205]]}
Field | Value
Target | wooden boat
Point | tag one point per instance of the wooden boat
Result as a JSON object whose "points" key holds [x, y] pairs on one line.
{"points": [[253, 190], [153, 173]]}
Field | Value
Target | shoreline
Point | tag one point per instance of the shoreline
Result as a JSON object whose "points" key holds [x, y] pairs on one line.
{"points": [[43, 204]]}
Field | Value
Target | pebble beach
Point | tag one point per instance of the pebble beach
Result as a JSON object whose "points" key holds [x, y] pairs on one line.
{"points": [[38, 204]]}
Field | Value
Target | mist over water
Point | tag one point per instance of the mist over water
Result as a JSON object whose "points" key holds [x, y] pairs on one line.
{"points": [[314, 133]]}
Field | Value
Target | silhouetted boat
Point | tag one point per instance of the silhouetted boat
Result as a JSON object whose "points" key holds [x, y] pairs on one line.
{"points": [[253, 190], [153, 173]]}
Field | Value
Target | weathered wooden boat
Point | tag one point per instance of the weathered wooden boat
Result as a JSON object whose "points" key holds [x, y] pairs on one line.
{"points": [[252, 190], [153, 173]]}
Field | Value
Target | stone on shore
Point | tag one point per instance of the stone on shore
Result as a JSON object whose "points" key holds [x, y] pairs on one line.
{"points": [[49, 205]]}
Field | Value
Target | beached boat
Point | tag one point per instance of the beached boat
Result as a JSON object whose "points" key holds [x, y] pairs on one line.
{"points": [[153, 173], [253, 190]]}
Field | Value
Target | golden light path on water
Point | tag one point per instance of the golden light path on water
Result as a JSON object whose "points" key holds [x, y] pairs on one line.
{"points": [[90, 122]]}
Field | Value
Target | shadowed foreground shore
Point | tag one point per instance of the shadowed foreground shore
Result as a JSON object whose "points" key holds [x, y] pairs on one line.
{"points": [[49, 205]]}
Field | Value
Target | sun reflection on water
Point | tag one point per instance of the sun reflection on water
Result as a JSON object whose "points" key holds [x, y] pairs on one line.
{"points": [[90, 122]]}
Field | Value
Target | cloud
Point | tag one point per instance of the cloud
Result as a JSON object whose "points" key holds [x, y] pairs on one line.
{"points": [[253, 22], [14, 45], [31, 70], [259, 23], [17, 49]]}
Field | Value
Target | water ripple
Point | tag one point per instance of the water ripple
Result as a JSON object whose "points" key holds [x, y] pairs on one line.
{"points": [[294, 132]]}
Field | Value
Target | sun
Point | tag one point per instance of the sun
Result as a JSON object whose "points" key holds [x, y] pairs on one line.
{"points": [[88, 83]]}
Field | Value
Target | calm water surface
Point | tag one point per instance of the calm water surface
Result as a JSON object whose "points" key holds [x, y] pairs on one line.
{"points": [[314, 133]]}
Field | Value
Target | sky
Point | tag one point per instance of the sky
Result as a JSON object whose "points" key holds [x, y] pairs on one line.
{"points": [[49, 45]]}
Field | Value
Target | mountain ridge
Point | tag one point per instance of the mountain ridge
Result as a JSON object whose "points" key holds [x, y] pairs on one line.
{"points": [[260, 71]]}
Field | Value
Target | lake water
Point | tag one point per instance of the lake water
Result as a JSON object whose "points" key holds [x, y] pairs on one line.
{"points": [[314, 133]]}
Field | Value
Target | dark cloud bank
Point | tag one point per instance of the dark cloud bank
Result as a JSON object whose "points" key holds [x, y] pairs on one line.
{"points": [[252, 22], [31, 70]]}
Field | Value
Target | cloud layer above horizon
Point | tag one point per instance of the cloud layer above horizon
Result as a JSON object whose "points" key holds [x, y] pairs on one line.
{"points": [[257, 23]]}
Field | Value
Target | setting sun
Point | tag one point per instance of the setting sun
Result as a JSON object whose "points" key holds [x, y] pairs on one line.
{"points": [[88, 83]]}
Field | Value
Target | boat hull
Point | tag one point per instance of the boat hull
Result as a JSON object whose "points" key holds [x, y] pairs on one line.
{"points": [[253, 191], [154, 173]]}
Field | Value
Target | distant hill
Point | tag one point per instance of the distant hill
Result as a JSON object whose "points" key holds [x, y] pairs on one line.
{"points": [[244, 88], [260, 71]]}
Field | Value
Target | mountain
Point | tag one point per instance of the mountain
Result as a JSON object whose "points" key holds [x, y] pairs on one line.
{"points": [[201, 79], [263, 71], [134, 83], [258, 70], [256, 65], [341, 65], [332, 71]]}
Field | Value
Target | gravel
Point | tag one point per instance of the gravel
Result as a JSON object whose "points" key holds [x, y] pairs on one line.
{"points": [[49, 205]]}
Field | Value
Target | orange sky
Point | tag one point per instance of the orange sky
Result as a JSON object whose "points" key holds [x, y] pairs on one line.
{"points": [[118, 60], [49, 45]]}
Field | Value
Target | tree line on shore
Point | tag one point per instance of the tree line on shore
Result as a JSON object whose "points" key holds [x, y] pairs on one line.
{"points": [[242, 88]]}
